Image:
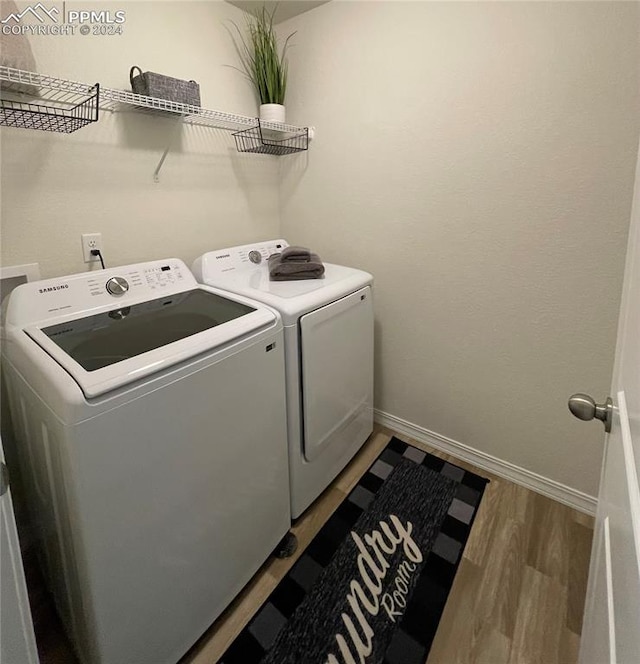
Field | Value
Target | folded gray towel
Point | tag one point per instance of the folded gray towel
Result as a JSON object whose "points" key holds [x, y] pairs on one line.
{"points": [[295, 270], [295, 254]]}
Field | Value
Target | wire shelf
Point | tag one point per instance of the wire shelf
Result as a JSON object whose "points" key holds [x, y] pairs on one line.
{"points": [[34, 101], [259, 139], [112, 99], [44, 102]]}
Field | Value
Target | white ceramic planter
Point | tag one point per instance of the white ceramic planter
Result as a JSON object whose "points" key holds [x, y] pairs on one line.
{"points": [[272, 113]]}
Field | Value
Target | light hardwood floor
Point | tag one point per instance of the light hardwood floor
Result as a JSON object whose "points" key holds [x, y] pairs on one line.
{"points": [[519, 592]]}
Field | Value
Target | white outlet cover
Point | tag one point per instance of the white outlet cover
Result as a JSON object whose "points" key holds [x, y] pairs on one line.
{"points": [[91, 241]]}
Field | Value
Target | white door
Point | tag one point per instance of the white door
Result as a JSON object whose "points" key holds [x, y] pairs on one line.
{"points": [[17, 640], [611, 628], [337, 374]]}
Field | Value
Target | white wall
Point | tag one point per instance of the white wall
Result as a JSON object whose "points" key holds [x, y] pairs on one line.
{"points": [[55, 187], [478, 159]]}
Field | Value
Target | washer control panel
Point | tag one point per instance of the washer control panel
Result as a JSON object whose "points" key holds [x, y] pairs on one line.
{"points": [[155, 277], [40, 300]]}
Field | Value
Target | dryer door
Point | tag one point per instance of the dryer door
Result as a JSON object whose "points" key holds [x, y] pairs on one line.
{"points": [[337, 373]]}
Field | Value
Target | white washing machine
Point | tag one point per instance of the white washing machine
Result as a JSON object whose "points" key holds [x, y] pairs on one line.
{"points": [[150, 414], [328, 357]]}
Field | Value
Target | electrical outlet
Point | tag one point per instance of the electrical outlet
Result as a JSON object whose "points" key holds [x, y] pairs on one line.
{"points": [[91, 241]]}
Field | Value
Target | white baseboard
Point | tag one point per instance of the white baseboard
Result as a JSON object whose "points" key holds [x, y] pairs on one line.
{"points": [[543, 485]]}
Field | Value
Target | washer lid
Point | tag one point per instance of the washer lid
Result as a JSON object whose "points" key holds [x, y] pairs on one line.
{"points": [[290, 298], [114, 347]]}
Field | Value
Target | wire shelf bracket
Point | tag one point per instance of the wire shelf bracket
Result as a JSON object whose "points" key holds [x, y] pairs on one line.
{"points": [[176, 131]]}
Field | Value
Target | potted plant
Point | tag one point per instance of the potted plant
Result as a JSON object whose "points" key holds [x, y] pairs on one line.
{"points": [[263, 63]]}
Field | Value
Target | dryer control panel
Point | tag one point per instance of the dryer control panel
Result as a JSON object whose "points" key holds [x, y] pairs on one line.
{"points": [[245, 258], [39, 300]]}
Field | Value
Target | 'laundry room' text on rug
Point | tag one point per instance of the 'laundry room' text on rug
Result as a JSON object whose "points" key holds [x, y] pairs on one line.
{"points": [[372, 561]]}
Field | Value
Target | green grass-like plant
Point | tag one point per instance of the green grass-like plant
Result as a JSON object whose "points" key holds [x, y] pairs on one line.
{"points": [[262, 63]]}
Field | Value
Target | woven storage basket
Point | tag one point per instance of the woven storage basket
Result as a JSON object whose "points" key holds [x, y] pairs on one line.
{"points": [[164, 87]]}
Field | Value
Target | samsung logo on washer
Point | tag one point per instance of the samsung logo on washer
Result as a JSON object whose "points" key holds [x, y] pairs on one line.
{"points": [[223, 256], [51, 289]]}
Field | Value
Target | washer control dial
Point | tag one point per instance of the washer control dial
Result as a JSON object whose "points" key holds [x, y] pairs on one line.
{"points": [[255, 256], [117, 286]]}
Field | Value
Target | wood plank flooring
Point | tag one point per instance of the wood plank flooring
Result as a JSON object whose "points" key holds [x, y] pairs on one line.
{"points": [[518, 596]]}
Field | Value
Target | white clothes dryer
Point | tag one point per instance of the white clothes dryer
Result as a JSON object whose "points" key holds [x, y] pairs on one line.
{"points": [[150, 416], [328, 358]]}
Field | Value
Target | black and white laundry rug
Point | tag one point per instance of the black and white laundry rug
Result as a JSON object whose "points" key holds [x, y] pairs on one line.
{"points": [[372, 584]]}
